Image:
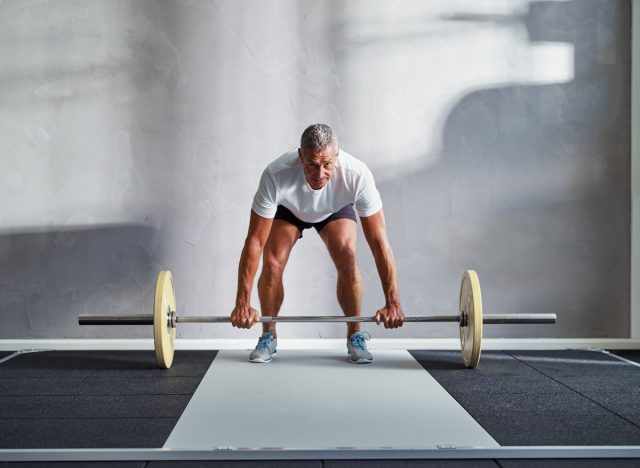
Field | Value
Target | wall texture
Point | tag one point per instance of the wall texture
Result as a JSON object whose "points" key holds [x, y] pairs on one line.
{"points": [[134, 134]]}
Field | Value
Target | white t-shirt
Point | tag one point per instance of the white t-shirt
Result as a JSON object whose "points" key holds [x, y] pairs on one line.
{"points": [[283, 183]]}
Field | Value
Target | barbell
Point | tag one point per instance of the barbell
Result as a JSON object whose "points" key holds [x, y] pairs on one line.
{"points": [[164, 319]]}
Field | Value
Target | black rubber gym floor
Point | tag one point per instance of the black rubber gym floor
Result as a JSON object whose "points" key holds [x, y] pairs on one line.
{"points": [[545, 397], [89, 399], [120, 399]]}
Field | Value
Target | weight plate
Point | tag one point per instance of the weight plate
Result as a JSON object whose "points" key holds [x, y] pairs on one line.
{"points": [[471, 325], [164, 335]]}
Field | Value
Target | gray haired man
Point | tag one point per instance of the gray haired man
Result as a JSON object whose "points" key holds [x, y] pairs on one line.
{"points": [[316, 186]]}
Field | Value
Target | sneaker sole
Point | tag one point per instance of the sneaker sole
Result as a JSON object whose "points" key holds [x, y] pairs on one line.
{"points": [[261, 361], [361, 361]]}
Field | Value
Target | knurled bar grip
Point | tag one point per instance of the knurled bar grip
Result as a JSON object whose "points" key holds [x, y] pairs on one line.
{"points": [[148, 319]]}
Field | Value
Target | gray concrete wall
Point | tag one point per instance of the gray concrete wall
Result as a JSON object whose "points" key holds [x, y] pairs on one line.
{"points": [[134, 134]]}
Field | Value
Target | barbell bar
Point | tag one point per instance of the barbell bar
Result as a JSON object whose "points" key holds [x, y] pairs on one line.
{"points": [[88, 319], [164, 319]]}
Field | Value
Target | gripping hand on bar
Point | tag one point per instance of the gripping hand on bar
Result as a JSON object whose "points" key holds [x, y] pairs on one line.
{"points": [[244, 316], [392, 316]]}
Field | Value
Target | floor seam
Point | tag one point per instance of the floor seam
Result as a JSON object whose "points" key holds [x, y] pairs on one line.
{"points": [[10, 356], [88, 419], [614, 355], [574, 390], [101, 395]]}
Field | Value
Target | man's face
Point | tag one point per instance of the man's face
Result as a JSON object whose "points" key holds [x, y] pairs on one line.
{"points": [[318, 165]]}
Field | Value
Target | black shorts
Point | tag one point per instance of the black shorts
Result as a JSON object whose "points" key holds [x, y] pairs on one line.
{"points": [[346, 212]]}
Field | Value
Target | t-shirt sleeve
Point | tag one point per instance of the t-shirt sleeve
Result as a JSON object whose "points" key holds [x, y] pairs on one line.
{"points": [[368, 201], [265, 201]]}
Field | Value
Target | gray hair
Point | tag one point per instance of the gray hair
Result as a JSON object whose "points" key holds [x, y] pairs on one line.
{"points": [[318, 137]]}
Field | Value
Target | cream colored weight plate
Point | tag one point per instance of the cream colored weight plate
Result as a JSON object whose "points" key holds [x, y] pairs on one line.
{"points": [[471, 324], [164, 335]]}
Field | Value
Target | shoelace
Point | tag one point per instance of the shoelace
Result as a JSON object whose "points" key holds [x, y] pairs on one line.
{"points": [[358, 341], [264, 341]]}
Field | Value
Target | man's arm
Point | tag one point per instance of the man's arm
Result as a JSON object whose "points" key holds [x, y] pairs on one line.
{"points": [[375, 231], [243, 315]]}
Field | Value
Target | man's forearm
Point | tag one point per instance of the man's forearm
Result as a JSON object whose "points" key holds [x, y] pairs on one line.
{"points": [[249, 261], [386, 267]]}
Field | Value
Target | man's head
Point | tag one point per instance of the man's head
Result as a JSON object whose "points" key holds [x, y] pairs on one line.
{"points": [[318, 153]]}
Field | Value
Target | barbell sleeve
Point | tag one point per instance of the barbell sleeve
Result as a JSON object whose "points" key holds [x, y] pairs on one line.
{"points": [[495, 319], [143, 319]]}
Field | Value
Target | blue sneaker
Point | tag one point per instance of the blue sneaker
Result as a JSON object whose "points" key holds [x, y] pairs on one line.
{"points": [[357, 348], [265, 349]]}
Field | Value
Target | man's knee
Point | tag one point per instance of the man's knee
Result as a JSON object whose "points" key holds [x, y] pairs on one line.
{"points": [[344, 257], [273, 264]]}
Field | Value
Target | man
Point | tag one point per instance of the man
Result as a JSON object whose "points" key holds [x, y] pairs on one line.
{"points": [[316, 186]]}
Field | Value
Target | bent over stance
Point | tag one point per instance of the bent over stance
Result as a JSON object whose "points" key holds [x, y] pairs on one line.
{"points": [[316, 186]]}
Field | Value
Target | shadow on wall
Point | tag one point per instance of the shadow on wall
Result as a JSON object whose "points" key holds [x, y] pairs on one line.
{"points": [[104, 92], [50, 277], [99, 159], [532, 188]]}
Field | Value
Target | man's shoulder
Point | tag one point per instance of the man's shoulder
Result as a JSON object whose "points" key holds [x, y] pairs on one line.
{"points": [[286, 162], [351, 163]]}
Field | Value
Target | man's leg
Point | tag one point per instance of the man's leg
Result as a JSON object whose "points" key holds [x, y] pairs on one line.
{"points": [[339, 236], [282, 238]]}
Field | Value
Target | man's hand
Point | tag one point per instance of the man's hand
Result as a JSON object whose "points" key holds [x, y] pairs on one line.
{"points": [[244, 316], [391, 315], [375, 231]]}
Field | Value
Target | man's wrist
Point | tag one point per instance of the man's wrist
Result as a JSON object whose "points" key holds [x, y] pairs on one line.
{"points": [[242, 302], [393, 301]]}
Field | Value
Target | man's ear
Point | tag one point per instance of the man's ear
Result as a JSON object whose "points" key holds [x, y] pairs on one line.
{"points": [[300, 153]]}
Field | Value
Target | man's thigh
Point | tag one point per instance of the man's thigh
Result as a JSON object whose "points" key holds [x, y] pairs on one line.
{"points": [[282, 238], [346, 212], [339, 235]]}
